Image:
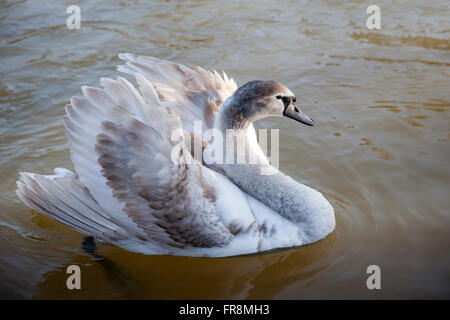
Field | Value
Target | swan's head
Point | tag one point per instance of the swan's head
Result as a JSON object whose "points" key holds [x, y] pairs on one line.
{"points": [[263, 98]]}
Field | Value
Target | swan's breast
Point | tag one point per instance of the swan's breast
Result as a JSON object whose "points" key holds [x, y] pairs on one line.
{"points": [[231, 203]]}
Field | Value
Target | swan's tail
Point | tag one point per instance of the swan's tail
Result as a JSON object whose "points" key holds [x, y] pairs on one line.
{"points": [[63, 198]]}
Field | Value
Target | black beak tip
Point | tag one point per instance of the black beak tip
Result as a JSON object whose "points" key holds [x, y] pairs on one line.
{"points": [[310, 122]]}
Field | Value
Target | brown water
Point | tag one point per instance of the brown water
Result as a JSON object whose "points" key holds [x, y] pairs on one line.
{"points": [[380, 151]]}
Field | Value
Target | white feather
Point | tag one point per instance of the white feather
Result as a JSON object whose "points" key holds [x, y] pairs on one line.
{"points": [[127, 189]]}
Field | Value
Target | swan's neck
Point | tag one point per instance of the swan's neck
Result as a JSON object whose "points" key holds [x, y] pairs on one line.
{"points": [[259, 179], [277, 191], [233, 116]]}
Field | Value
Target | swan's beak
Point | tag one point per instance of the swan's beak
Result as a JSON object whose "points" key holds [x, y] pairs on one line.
{"points": [[294, 112]]}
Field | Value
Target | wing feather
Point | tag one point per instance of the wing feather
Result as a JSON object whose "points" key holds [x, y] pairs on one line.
{"points": [[63, 198], [198, 93], [122, 149]]}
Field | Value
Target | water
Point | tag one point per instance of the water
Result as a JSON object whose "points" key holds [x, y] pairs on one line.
{"points": [[379, 152]]}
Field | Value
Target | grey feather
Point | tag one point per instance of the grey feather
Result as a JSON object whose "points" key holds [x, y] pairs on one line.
{"points": [[198, 93]]}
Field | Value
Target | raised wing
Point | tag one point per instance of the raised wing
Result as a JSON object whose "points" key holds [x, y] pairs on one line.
{"points": [[148, 184], [193, 92]]}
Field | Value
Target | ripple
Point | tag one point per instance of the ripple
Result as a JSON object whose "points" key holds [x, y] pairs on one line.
{"points": [[36, 32], [382, 153], [25, 234], [409, 40], [387, 107], [412, 120], [392, 60]]}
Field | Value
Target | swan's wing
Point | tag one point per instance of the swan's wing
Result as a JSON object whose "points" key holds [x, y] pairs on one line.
{"points": [[122, 150], [63, 198], [193, 92]]}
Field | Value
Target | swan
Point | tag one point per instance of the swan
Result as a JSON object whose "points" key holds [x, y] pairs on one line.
{"points": [[134, 186]]}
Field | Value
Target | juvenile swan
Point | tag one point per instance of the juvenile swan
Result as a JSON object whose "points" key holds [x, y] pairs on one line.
{"points": [[140, 189]]}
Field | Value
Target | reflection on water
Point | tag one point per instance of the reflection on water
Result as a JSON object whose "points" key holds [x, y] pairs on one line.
{"points": [[122, 273], [379, 152]]}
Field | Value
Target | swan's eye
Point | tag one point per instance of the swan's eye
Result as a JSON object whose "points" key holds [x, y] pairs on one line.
{"points": [[279, 97], [295, 99]]}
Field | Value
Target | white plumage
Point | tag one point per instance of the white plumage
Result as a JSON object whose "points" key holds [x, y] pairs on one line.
{"points": [[128, 191]]}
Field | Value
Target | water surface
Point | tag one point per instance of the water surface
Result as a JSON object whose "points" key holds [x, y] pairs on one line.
{"points": [[380, 151]]}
